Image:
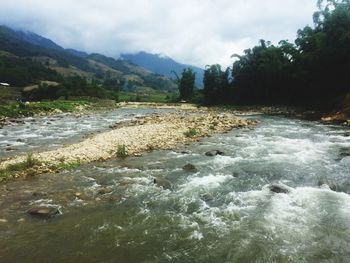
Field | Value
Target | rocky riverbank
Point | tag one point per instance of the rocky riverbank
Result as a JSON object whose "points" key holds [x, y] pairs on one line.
{"points": [[162, 131]]}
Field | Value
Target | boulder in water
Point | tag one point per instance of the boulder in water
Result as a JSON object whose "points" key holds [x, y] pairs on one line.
{"points": [[104, 190], [115, 198], [44, 212], [279, 188], [324, 183], [161, 182], [214, 153], [207, 197], [190, 168]]}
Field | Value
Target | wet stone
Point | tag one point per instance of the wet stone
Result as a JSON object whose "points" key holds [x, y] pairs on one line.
{"points": [[104, 190], [160, 182], [190, 168], [10, 149], [344, 152], [279, 189], [324, 182], [207, 197], [115, 198], [44, 212], [39, 194], [214, 153]]}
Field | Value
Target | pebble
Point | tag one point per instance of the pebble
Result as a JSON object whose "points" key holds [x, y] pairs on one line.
{"points": [[157, 132]]}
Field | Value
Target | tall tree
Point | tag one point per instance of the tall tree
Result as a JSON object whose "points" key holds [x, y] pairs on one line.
{"points": [[216, 84], [186, 84]]}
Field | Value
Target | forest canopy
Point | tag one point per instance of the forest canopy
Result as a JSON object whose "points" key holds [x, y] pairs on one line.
{"points": [[312, 71]]}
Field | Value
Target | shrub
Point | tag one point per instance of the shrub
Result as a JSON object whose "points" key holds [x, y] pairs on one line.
{"points": [[191, 132], [122, 152]]}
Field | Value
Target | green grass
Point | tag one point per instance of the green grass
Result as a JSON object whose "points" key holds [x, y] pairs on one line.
{"points": [[27, 168], [191, 132], [122, 151], [16, 110], [13, 169], [145, 95], [66, 166]]}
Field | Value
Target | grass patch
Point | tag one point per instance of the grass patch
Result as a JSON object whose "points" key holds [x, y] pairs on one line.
{"points": [[25, 167], [29, 162], [122, 151], [191, 133], [67, 166], [147, 96], [15, 110]]}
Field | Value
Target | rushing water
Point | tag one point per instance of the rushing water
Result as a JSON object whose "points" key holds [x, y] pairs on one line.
{"points": [[222, 213], [31, 134]]}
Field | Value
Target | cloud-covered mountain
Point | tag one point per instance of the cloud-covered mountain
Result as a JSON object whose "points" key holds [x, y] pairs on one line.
{"points": [[30, 58], [163, 65]]}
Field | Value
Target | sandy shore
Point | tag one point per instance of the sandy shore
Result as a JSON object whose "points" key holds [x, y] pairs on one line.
{"points": [[163, 131]]}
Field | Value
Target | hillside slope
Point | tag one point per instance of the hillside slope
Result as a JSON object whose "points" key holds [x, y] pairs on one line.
{"points": [[27, 58], [163, 65]]}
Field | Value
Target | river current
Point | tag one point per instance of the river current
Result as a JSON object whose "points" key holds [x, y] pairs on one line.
{"points": [[223, 212]]}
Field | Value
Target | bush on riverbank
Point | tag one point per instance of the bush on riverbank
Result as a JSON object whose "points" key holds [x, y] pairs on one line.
{"points": [[33, 108]]}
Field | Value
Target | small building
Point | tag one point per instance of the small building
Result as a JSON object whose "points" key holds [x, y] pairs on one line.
{"points": [[4, 84]]}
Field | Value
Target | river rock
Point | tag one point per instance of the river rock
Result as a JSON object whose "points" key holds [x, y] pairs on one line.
{"points": [[190, 168], [214, 153], [104, 190], [115, 198], [279, 188], [39, 194], [324, 183], [10, 149], [343, 153], [207, 197], [44, 212], [161, 182]]}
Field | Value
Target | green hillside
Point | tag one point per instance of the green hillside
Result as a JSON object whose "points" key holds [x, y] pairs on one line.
{"points": [[27, 59]]}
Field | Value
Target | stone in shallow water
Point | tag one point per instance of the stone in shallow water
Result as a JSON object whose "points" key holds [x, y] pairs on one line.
{"points": [[104, 190], [115, 198], [323, 183], [214, 153], [207, 197], [160, 182], [278, 188], [190, 168], [44, 212]]}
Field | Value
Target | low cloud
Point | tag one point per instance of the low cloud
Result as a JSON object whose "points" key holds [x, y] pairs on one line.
{"points": [[195, 32]]}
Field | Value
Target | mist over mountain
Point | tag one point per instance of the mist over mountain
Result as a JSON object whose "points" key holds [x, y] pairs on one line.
{"points": [[28, 58], [163, 65]]}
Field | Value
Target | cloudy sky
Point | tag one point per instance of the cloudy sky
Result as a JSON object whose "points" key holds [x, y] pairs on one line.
{"points": [[197, 32]]}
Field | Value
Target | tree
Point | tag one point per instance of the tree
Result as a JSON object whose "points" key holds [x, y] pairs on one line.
{"points": [[216, 84], [186, 83]]}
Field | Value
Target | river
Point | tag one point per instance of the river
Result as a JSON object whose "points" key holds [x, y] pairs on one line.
{"points": [[223, 212]]}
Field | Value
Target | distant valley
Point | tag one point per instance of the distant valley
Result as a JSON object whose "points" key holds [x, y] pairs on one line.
{"points": [[27, 58], [163, 65]]}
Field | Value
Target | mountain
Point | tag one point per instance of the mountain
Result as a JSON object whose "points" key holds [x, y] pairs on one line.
{"points": [[163, 65], [27, 58], [36, 39]]}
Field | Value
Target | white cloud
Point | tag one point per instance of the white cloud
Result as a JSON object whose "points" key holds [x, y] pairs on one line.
{"points": [[198, 32]]}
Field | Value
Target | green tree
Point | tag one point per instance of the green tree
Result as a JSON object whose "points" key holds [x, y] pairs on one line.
{"points": [[216, 84], [186, 84]]}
